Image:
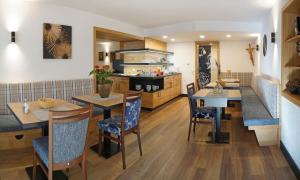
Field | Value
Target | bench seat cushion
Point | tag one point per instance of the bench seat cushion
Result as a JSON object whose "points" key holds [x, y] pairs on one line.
{"points": [[254, 111], [9, 123]]}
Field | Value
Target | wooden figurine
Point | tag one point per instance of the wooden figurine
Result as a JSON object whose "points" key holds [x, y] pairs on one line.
{"points": [[250, 50]]}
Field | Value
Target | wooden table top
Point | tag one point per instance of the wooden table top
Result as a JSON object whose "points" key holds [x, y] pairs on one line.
{"points": [[106, 103], [230, 94], [30, 118]]}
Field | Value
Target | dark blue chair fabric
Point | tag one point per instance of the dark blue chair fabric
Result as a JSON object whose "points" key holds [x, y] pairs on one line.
{"points": [[199, 112], [9, 123], [112, 125], [132, 117], [254, 111]]}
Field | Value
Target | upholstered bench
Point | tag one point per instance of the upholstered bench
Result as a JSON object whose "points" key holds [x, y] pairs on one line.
{"points": [[12, 134], [257, 117]]}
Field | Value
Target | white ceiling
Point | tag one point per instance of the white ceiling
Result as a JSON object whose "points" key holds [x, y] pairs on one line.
{"points": [[209, 36], [154, 13]]}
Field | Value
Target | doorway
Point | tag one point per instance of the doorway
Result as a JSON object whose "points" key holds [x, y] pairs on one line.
{"points": [[207, 61]]}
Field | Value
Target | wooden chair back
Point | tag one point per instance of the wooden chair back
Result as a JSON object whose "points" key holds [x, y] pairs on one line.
{"points": [[192, 102]]}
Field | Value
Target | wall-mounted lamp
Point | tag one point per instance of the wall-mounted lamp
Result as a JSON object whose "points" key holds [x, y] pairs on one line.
{"points": [[257, 47], [106, 54], [273, 37], [13, 36]]}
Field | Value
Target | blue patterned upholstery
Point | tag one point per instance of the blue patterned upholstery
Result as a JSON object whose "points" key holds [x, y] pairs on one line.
{"points": [[205, 112], [132, 113], [199, 112], [132, 117], [112, 125], [68, 142], [41, 147]]}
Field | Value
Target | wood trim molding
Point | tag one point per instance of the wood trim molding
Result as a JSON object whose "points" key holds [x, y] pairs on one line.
{"points": [[290, 160], [118, 33]]}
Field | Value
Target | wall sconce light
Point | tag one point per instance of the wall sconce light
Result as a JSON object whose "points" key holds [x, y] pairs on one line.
{"points": [[257, 47], [106, 54], [13, 36], [273, 37]]}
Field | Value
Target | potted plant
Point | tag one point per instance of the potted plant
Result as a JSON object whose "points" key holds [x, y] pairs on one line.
{"points": [[104, 84]]}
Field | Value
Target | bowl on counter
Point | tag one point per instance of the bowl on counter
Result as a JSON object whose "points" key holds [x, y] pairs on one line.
{"points": [[46, 103], [148, 88], [138, 87]]}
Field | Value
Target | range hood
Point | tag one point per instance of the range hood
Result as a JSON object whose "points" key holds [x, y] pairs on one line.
{"points": [[144, 50]]}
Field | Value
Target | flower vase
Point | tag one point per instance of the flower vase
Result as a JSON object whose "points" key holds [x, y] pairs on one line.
{"points": [[104, 90]]}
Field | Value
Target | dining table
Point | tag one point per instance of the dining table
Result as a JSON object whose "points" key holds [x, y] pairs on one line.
{"points": [[38, 117], [114, 100], [228, 95]]}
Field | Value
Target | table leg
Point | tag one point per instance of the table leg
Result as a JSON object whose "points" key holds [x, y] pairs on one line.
{"points": [[221, 137], [109, 148]]}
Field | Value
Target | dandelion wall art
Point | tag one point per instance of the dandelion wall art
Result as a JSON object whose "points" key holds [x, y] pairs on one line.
{"points": [[57, 41]]}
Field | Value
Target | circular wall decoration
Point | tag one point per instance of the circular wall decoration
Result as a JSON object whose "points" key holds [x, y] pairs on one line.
{"points": [[265, 45]]}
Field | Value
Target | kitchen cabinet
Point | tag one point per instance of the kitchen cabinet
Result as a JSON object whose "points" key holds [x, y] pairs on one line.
{"points": [[120, 84], [172, 89], [151, 100]]}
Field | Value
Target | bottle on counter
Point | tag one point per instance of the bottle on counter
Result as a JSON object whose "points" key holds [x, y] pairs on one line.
{"points": [[25, 107]]}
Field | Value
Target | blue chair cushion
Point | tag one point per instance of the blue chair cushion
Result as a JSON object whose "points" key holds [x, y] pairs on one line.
{"points": [[96, 112], [40, 146], [254, 111], [9, 123], [205, 112], [111, 125]]}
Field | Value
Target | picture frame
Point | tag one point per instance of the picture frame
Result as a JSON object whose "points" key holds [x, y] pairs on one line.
{"points": [[101, 56]]}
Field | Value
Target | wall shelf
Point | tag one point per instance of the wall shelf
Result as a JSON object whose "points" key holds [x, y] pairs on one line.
{"points": [[146, 64], [144, 50], [290, 60], [294, 39], [294, 98]]}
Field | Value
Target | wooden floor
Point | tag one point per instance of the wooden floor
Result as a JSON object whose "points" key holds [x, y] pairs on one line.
{"points": [[168, 155]]}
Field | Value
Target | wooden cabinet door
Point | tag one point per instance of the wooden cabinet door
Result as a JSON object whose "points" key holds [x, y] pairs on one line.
{"points": [[147, 100]]}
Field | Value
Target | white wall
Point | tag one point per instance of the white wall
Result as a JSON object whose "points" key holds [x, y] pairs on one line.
{"points": [[290, 129], [24, 62], [184, 60], [234, 57]]}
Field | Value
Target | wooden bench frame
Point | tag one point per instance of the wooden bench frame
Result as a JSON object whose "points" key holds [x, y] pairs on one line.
{"points": [[267, 135]]}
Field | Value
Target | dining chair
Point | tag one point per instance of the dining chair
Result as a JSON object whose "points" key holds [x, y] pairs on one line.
{"points": [[66, 145], [199, 115], [123, 124], [200, 86]]}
